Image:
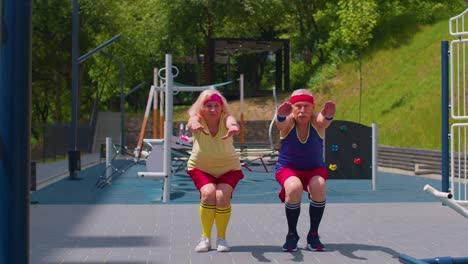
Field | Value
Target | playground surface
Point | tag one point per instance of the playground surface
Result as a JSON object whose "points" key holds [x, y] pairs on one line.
{"points": [[73, 221]]}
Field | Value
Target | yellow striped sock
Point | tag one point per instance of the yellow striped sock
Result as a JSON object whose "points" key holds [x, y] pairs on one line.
{"points": [[207, 216], [222, 220]]}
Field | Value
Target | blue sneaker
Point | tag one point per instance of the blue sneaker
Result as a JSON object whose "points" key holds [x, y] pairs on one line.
{"points": [[291, 242], [313, 242]]}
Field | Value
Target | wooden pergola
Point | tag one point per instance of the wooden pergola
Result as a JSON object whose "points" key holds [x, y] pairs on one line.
{"points": [[221, 49]]}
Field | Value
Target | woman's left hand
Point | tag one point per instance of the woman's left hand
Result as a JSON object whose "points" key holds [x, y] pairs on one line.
{"points": [[233, 130]]}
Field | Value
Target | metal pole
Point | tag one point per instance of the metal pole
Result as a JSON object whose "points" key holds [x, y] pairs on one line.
{"points": [[272, 123], [122, 100], [122, 109], [375, 157], [135, 88], [98, 48], [445, 116], [15, 117], [109, 158], [73, 153], [168, 129], [74, 159], [405, 259], [242, 123], [75, 37], [155, 103], [360, 86]]}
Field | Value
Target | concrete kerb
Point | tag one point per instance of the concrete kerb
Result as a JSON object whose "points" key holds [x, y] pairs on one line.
{"points": [[49, 173]]}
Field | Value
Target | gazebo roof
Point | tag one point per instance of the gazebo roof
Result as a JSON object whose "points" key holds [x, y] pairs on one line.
{"points": [[225, 47]]}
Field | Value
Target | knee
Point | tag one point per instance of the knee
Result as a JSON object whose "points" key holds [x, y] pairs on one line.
{"points": [[208, 195], [317, 188], [293, 191], [223, 197], [293, 187]]}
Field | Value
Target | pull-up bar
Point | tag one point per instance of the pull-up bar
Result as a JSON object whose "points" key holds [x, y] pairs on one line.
{"points": [[74, 160], [98, 48]]}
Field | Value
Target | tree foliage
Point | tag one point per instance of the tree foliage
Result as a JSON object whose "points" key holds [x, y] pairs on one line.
{"points": [[357, 20], [321, 32]]}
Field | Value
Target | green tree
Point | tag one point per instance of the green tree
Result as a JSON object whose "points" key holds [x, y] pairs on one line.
{"points": [[305, 29], [51, 63], [51, 58], [357, 19], [253, 19]]}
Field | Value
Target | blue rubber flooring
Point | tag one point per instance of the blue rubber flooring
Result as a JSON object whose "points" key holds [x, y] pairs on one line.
{"points": [[256, 187]]}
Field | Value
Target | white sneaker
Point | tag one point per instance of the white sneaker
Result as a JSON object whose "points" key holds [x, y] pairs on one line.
{"points": [[204, 245], [222, 245]]}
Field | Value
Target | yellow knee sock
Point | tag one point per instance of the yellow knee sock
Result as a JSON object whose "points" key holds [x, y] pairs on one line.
{"points": [[207, 216], [222, 219]]}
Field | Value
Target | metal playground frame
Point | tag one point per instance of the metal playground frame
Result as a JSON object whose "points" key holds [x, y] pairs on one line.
{"points": [[168, 87], [454, 68]]}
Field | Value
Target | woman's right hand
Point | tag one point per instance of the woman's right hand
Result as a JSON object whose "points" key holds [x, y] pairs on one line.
{"points": [[197, 126]]}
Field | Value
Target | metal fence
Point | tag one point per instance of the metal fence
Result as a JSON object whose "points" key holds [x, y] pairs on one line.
{"points": [[458, 60], [56, 139]]}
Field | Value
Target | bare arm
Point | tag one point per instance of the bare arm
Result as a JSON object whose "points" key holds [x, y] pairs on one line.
{"points": [[194, 124]]}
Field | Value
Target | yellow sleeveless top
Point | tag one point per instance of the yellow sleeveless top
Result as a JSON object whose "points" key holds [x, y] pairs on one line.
{"points": [[212, 154]]}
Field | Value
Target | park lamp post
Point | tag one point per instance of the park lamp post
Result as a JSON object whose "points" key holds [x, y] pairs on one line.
{"points": [[74, 160]]}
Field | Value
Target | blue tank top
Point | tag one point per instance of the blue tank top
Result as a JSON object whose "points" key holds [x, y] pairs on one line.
{"points": [[299, 155]]}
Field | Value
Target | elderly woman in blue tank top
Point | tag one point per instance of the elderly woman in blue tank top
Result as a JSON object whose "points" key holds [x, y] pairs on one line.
{"points": [[301, 165]]}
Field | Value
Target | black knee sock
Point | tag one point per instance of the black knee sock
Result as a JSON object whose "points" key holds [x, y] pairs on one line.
{"points": [[315, 213], [292, 215]]}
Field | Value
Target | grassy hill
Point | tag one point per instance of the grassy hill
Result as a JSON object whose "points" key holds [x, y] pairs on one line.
{"points": [[401, 91]]}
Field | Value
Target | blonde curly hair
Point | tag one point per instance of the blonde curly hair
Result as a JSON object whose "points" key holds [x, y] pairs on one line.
{"points": [[196, 108]]}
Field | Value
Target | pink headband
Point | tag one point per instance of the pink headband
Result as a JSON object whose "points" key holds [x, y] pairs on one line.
{"points": [[214, 98], [301, 98]]}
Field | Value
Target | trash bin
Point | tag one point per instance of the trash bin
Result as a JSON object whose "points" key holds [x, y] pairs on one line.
{"points": [[32, 177], [102, 153], [74, 163]]}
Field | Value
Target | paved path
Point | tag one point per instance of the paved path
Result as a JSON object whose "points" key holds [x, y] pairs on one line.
{"points": [[352, 233], [75, 222], [48, 173]]}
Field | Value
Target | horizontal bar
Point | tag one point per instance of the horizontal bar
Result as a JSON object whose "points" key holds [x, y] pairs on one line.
{"points": [[449, 202], [103, 45], [437, 193], [152, 174]]}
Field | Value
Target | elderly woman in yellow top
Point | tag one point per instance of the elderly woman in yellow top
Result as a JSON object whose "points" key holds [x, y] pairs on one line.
{"points": [[214, 164]]}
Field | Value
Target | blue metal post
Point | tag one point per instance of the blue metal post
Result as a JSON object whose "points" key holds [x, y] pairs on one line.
{"points": [[15, 117], [405, 259], [445, 116]]}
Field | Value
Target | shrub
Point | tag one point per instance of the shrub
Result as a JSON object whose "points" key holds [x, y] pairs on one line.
{"points": [[321, 77], [299, 75]]}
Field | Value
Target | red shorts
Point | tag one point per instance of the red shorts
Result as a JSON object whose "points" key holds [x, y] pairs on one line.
{"points": [[200, 178], [304, 175]]}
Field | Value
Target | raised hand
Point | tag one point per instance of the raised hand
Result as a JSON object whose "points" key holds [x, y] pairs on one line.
{"points": [[329, 109], [285, 109], [232, 130], [197, 126]]}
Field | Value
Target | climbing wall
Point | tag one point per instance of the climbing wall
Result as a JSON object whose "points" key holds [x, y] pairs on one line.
{"points": [[348, 150]]}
